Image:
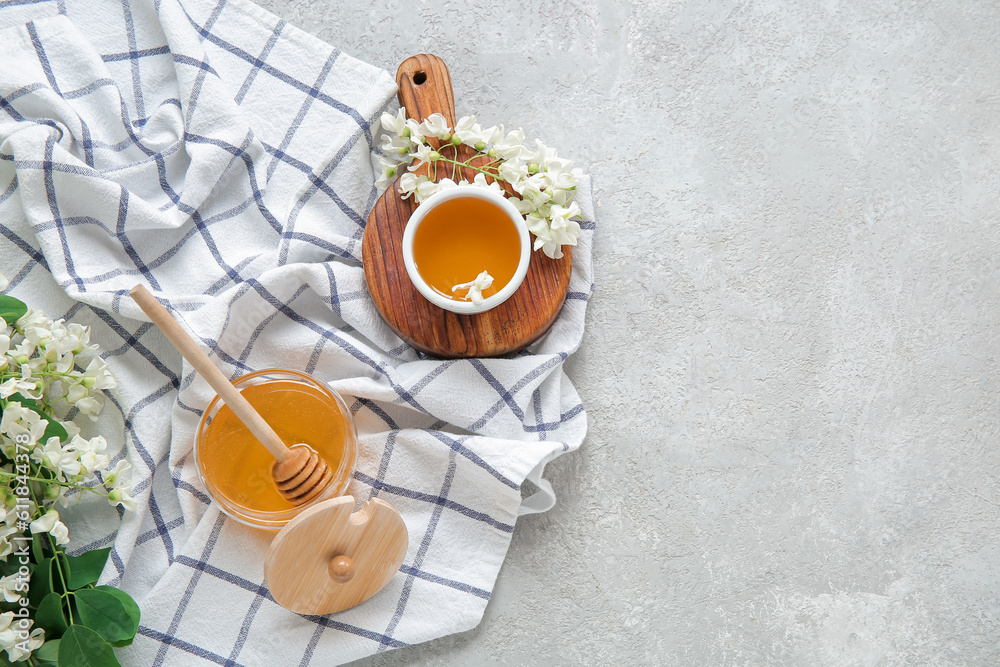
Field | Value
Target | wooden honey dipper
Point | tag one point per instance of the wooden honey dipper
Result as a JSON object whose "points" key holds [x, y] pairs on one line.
{"points": [[298, 471]]}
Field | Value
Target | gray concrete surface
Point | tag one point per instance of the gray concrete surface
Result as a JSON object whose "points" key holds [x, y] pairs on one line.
{"points": [[792, 360]]}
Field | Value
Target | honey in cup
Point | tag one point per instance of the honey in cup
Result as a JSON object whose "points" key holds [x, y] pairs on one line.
{"points": [[236, 468], [461, 237]]}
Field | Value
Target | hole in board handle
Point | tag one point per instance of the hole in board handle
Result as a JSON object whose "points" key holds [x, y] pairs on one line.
{"points": [[419, 78]]}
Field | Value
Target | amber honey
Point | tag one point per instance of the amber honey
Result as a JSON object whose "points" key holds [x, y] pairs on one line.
{"points": [[236, 468], [461, 237]]}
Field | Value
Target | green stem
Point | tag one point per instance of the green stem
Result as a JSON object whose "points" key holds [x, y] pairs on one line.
{"points": [[55, 556], [55, 553], [4, 473], [470, 166]]}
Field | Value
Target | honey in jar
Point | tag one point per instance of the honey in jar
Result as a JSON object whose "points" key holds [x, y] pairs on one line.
{"points": [[236, 468], [461, 237]]}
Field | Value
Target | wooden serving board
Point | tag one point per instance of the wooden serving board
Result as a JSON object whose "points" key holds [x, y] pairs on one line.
{"points": [[425, 89]]}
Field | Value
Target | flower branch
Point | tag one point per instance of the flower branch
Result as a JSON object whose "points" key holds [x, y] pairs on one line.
{"points": [[539, 183]]}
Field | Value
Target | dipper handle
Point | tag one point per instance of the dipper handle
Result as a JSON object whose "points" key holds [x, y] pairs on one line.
{"points": [[201, 362]]}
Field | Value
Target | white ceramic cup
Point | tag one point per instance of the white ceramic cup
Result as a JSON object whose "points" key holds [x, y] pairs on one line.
{"points": [[454, 305]]}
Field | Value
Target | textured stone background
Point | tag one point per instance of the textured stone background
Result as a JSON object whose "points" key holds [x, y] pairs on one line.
{"points": [[791, 362]]}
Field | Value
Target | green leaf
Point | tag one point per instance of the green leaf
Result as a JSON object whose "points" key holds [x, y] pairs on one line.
{"points": [[86, 568], [36, 548], [47, 652], [82, 647], [50, 615], [11, 309], [54, 428], [41, 582], [105, 613], [130, 607], [13, 564]]}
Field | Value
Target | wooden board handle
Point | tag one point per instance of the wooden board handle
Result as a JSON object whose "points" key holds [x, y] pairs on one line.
{"points": [[201, 362], [425, 88]]}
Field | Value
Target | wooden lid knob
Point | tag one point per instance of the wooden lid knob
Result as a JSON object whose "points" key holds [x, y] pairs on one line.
{"points": [[341, 569]]}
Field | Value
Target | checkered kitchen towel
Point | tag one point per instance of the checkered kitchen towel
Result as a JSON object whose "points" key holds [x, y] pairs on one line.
{"points": [[222, 157]]}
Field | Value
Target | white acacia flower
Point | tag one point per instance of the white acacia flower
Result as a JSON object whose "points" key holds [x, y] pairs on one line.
{"points": [[559, 173], [121, 497], [445, 184], [480, 180], [14, 641], [387, 170], [50, 523], [532, 191], [435, 125], [560, 196], [556, 231], [543, 236], [91, 406], [119, 484], [52, 455], [120, 476], [60, 532], [82, 335], [6, 532], [483, 281], [395, 124], [408, 184], [19, 420], [75, 393], [471, 133], [8, 587], [71, 428], [427, 187], [396, 145], [17, 512], [92, 453], [62, 363], [423, 154], [33, 318], [63, 340], [493, 134], [511, 146], [36, 327], [541, 156], [21, 353], [513, 171], [561, 215], [524, 206], [55, 493], [420, 187], [24, 385], [97, 375]]}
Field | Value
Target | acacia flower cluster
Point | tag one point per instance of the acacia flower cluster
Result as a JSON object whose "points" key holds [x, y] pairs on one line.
{"points": [[543, 184], [47, 368]]}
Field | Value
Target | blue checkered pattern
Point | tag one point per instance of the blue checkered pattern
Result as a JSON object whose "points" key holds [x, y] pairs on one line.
{"points": [[223, 158]]}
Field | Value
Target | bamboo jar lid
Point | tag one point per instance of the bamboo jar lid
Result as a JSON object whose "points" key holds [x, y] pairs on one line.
{"points": [[330, 558]]}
